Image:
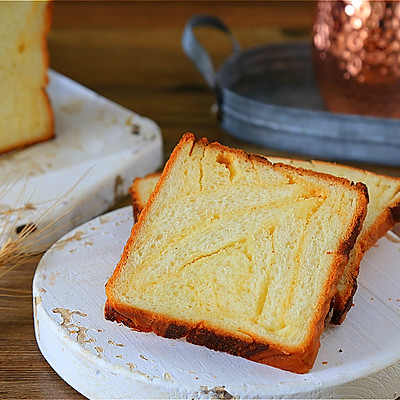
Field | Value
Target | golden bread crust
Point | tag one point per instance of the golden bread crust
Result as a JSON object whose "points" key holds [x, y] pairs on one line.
{"points": [[215, 339], [299, 360], [343, 300], [138, 202], [49, 13]]}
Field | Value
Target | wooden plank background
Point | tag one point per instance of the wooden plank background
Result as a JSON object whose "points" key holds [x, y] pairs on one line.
{"points": [[131, 53]]}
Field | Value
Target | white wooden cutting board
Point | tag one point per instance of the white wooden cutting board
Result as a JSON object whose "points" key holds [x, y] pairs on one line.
{"points": [[104, 360], [98, 143]]}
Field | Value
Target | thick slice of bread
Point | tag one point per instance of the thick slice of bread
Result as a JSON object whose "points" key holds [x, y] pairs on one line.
{"points": [[383, 213], [141, 190], [237, 254], [25, 113]]}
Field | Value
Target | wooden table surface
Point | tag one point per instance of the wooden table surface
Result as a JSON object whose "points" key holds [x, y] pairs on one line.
{"points": [[130, 52]]}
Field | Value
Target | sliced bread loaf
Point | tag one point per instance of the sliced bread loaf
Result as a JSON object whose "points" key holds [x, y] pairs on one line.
{"points": [[25, 113], [141, 190], [383, 213], [237, 254]]}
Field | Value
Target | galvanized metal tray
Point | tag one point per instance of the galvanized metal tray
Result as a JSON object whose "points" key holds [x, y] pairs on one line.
{"points": [[267, 95]]}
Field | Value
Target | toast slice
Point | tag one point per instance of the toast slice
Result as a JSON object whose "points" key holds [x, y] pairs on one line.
{"points": [[238, 255], [26, 116], [383, 213], [141, 190]]}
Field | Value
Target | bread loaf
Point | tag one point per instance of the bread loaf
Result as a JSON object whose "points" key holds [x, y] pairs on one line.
{"points": [[25, 113], [383, 213], [141, 190], [238, 255]]}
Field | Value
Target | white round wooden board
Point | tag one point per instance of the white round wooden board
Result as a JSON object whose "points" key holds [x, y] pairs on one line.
{"points": [[105, 360], [97, 141]]}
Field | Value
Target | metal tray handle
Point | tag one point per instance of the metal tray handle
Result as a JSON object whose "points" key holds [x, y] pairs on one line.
{"points": [[196, 52]]}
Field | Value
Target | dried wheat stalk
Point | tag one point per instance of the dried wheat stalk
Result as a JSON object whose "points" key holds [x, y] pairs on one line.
{"points": [[18, 243]]}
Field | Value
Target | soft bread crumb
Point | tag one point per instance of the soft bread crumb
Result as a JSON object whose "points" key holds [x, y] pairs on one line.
{"points": [[238, 255], [25, 112], [384, 200]]}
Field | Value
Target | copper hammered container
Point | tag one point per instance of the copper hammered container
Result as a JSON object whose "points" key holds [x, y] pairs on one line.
{"points": [[356, 54]]}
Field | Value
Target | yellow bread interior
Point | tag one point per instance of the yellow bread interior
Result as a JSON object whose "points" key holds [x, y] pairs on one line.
{"points": [[384, 193], [245, 246], [140, 191], [145, 187], [25, 114]]}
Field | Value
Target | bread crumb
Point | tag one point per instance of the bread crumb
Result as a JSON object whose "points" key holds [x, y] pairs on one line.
{"points": [[324, 362], [168, 377]]}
